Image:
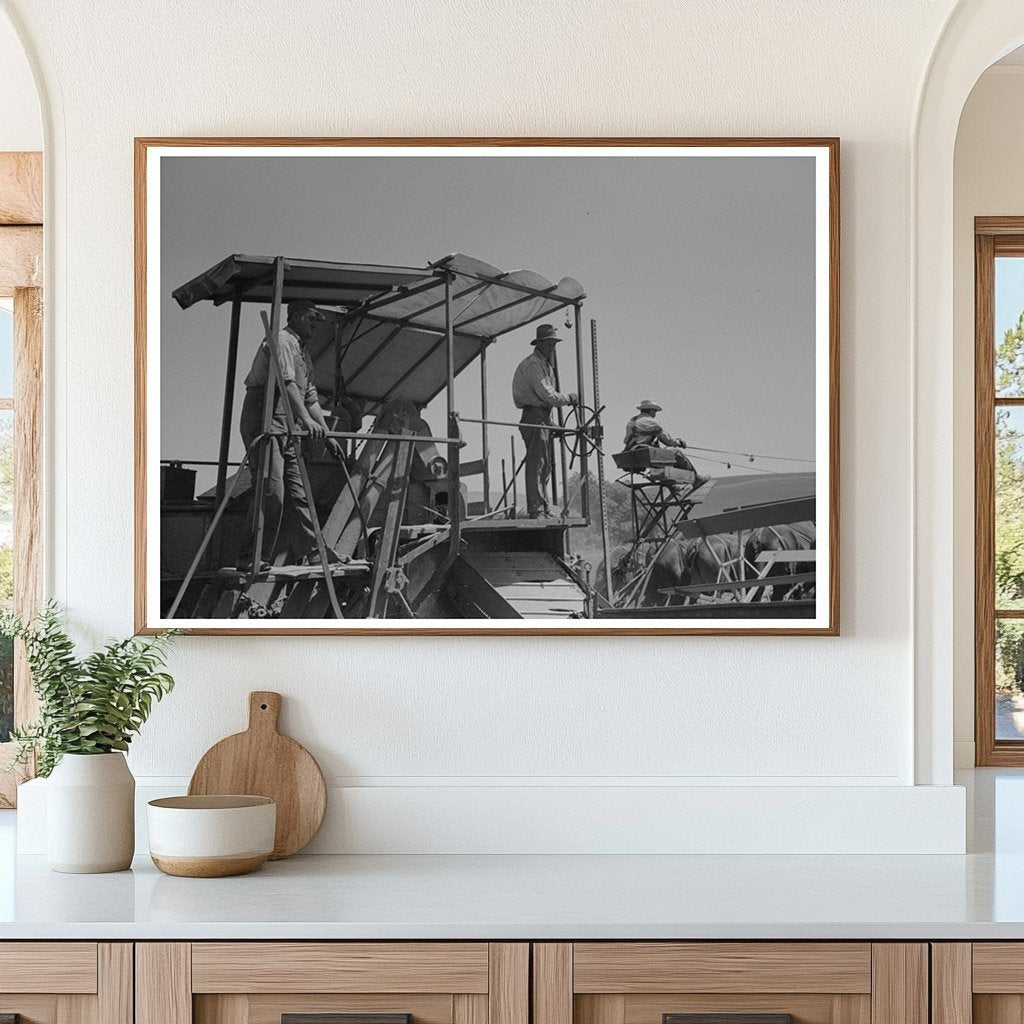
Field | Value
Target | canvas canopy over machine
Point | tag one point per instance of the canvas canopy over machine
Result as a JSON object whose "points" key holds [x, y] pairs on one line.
{"points": [[393, 340]]}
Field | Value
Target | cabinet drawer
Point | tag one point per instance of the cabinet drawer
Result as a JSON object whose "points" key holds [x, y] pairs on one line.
{"points": [[65, 967], [332, 983], [66, 982], [730, 983]]}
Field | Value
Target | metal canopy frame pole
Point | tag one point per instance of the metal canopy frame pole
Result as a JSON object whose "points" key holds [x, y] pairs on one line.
{"points": [[229, 396], [483, 426], [581, 391], [454, 512], [605, 547], [562, 452]]}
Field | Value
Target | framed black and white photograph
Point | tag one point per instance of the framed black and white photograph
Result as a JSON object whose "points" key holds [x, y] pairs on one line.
{"points": [[487, 386]]}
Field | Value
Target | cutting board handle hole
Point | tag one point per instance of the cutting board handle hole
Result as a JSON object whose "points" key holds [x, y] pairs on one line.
{"points": [[263, 707]]}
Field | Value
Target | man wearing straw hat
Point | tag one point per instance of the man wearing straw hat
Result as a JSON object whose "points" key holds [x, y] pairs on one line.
{"points": [[535, 392], [644, 430]]}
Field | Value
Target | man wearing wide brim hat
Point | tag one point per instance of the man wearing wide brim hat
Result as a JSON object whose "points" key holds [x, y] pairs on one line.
{"points": [[644, 430], [535, 392], [283, 491]]}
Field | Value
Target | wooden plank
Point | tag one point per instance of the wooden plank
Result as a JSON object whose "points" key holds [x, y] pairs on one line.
{"points": [[467, 1009], [28, 483], [997, 1009], [163, 983], [899, 991], [951, 983], [998, 967], [605, 1009], [339, 967], [21, 258], [31, 1009], [76, 1010], [115, 983], [21, 188], [984, 502], [508, 993], [228, 1009], [552, 983], [65, 967], [722, 967]]}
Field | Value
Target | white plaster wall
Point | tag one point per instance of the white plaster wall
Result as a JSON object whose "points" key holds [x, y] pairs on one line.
{"points": [[535, 711], [21, 127], [987, 182]]}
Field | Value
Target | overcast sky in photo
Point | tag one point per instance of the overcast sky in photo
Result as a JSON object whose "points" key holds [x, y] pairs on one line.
{"points": [[699, 271]]}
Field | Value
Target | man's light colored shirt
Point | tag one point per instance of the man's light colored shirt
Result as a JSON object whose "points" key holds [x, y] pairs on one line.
{"points": [[295, 365], [534, 384]]}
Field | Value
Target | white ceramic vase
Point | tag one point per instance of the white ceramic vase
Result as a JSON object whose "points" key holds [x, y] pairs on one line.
{"points": [[90, 814]]}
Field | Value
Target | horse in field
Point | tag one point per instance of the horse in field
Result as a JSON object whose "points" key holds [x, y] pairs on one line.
{"points": [[789, 537]]}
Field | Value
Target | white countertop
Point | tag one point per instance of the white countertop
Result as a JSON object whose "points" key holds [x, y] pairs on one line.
{"points": [[977, 896], [517, 897]]}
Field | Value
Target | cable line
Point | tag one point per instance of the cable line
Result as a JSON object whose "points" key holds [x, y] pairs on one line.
{"points": [[747, 455]]}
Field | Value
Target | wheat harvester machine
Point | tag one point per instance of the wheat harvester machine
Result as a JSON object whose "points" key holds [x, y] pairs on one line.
{"points": [[399, 533]]}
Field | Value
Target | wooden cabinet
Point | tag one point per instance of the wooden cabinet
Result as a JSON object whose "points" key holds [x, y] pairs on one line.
{"points": [[264, 982], [979, 982], [758, 982], [66, 982]]}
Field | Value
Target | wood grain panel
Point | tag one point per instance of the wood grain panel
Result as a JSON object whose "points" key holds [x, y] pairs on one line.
{"points": [[28, 482], [951, 983], [607, 1009], [21, 188], [998, 1009], [899, 991], [636, 967], [805, 1008], [33, 1009], [76, 1009], [468, 1009], [508, 993], [339, 967], [65, 967], [229, 1009], [998, 967], [115, 983], [984, 501], [163, 983], [21, 258], [267, 1009], [552, 983]]}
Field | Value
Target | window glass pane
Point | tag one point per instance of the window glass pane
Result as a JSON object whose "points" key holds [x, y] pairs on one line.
{"points": [[1009, 532], [6, 353], [1009, 679], [6, 567], [1009, 327]]}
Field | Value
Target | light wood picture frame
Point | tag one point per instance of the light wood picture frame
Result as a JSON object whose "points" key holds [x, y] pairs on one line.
{"points": [[332, 272]]}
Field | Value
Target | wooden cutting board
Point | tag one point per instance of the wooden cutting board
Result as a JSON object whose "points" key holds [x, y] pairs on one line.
{"points": [[262, 762]]}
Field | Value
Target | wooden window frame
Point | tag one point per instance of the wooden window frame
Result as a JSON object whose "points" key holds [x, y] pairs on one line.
{"points": [[21, 278]]}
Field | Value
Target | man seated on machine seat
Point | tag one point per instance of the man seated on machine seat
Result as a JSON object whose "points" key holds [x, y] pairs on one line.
{"points": [[644, 431]]}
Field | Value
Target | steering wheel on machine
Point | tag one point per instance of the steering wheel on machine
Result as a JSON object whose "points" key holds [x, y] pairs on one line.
{"points": [[581, 419]]}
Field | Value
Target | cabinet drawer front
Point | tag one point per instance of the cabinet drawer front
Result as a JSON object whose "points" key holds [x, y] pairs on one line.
{"points": [[339, 967], [59, 967], [637, 967], [998, 967]]}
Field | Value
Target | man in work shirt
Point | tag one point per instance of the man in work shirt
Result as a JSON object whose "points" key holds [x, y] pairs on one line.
{"points": [[645, 430], [284, 498], [534, 391]]}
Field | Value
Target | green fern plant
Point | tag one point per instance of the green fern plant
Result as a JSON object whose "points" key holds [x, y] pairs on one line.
{"points": [[90, 705]]}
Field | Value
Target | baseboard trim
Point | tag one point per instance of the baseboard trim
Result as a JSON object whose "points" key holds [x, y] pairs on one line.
{"points": [[452, 819]]}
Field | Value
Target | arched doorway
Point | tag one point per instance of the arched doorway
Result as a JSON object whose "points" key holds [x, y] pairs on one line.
{"points": [[976, 34]]}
